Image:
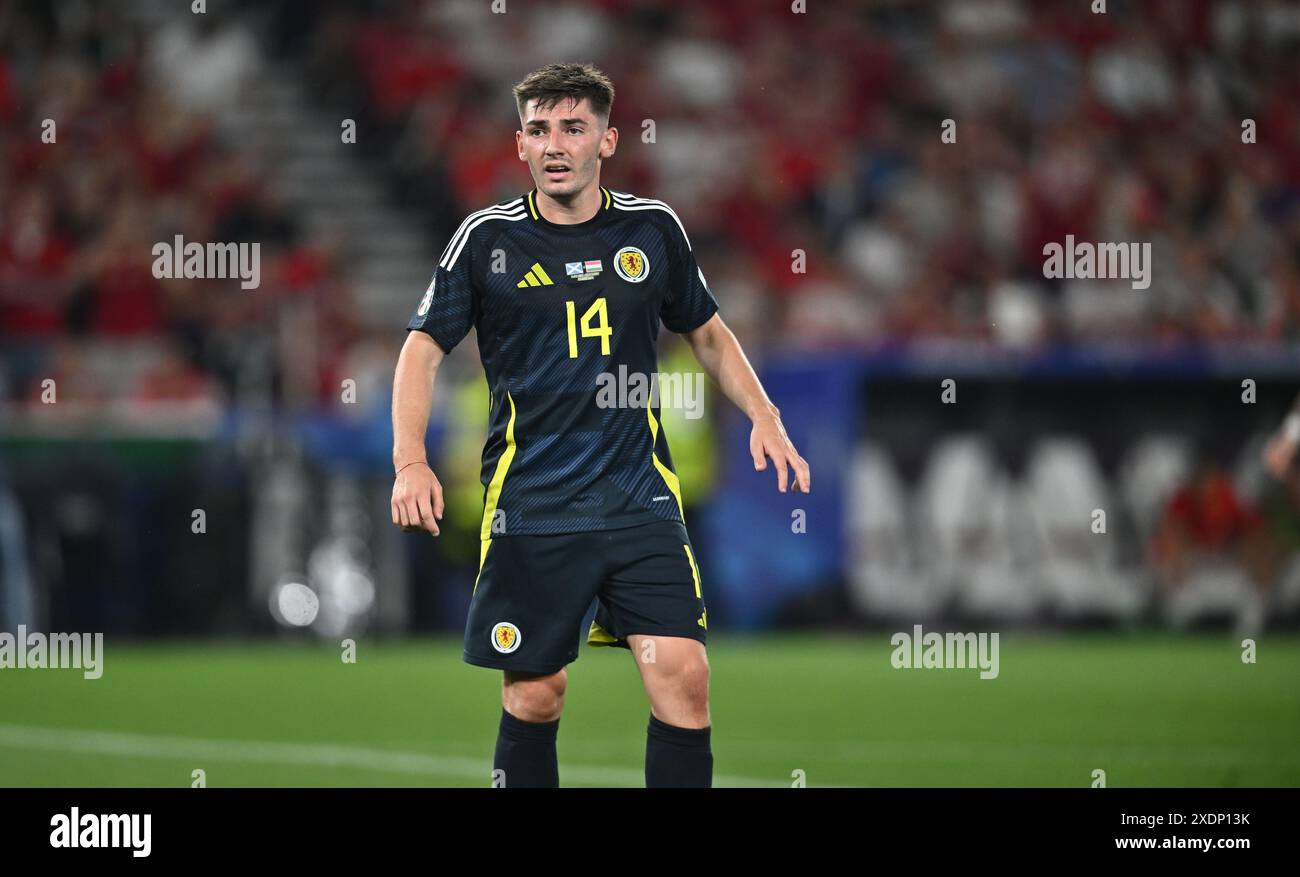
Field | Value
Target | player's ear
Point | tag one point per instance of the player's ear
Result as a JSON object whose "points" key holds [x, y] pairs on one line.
{"points": [[609, 143]]}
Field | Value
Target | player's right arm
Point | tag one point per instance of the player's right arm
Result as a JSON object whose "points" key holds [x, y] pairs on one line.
{"points": [[443, 318], [445, 315], [417, 495]]}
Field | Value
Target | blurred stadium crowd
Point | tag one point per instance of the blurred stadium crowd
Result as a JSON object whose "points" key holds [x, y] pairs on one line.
{"points": [[133, 163], [764, 137], [1120, 127], [1108, 127]]}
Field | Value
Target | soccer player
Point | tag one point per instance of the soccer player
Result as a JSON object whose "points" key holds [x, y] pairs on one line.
{"points": [[565, 284]]}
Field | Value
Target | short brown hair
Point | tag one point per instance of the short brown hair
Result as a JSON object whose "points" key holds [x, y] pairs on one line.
{"points": [[556, 82]]}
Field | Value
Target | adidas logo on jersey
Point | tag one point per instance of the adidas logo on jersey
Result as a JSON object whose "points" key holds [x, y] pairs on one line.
{"points": [[535, 277]]}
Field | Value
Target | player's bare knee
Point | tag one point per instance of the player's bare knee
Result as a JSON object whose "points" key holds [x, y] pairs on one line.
{"points": [[531, 703], [694, 684], [533, 698], [684, 702], [680, 692]]}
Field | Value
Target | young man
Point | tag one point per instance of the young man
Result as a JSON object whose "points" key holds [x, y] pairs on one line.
{"points": [[565, 284]]}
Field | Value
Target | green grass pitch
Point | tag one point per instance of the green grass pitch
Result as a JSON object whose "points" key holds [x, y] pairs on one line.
{"points": [[1148, 709]]}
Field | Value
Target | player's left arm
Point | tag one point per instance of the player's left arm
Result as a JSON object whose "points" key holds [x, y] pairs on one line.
{"points": [[720, 354]]}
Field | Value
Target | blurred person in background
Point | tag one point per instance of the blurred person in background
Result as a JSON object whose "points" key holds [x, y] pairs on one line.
{"points": [[1207, 529]]}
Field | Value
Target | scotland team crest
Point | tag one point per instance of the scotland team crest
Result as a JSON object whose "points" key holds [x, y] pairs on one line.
{"points": [[631, 264], [505, 637]]}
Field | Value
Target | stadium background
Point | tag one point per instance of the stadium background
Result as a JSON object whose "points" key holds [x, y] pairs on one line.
{"points": [[267, 409]]}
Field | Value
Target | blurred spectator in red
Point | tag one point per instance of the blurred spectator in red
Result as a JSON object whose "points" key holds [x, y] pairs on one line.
{"points": [[34, 262], [1205, 519]]}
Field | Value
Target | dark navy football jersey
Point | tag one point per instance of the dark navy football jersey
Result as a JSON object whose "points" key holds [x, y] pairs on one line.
{"points": [[556, 307]]}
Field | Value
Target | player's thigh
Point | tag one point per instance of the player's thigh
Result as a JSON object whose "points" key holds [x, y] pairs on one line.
{"points": [[663, 659], [675, 673]]}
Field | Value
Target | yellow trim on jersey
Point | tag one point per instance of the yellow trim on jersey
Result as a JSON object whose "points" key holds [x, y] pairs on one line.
{"points": [[542, 275], [533, 209], [695, 572], [669, 476], [498, 477]]}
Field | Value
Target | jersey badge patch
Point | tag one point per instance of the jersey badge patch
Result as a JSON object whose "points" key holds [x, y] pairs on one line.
{"points": [[583, 270], [505, 637], [631, 264]]}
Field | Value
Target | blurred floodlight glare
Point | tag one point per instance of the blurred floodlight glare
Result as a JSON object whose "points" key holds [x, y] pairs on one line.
{"points": [[293, 604]]}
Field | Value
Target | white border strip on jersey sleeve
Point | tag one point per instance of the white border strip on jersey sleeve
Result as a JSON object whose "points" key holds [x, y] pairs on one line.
{"points": [[631, 202], [457, 242]]}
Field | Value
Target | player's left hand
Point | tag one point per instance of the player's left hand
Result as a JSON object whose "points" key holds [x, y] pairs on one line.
{"points": [[768, 439]]}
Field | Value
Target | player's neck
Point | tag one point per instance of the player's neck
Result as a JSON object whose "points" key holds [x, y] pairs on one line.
{"points": [[581, 207]]}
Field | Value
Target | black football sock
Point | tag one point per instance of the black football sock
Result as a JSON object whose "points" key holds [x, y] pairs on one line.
{"points": [[677, 757], [526, 754]]}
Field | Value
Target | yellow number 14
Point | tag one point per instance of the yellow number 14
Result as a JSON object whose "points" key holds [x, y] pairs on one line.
{"points": [[601, 329]]}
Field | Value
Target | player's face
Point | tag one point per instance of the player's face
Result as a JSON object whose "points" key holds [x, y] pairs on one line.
{"points": [[563, 146]]}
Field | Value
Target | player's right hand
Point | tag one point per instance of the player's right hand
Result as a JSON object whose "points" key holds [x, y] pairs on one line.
{"points": [[417, 499]]}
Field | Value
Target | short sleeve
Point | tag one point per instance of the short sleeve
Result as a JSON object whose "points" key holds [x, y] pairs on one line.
{"points": [[450, 304], [689, 303]]}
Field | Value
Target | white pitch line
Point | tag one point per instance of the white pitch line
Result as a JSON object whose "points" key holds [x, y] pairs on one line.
{"points": [[197, 749], [883, 751]]}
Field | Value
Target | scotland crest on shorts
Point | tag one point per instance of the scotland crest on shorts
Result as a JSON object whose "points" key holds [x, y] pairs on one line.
{"points": [[505, 637]]}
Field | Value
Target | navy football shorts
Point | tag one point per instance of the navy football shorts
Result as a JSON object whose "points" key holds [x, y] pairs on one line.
{"points": [[533, 593]]}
